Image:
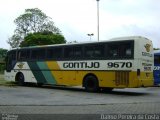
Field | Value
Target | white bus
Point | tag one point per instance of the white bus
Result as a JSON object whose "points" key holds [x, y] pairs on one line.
{"points": [[125, 62]]}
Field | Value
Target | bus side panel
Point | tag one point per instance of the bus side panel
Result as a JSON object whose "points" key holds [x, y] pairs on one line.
{"points": [[24, 69], [123, 79], [118, 79], [55, 71], [141, 81], [35, 72], [144, 59], [10, 76]]}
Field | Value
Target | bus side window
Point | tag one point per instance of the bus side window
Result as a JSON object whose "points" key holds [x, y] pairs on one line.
{"points": [[126, 50], [78, 52], [38, 54], [94, 51], [50, 53], [54, 53], [68, 52], [89, 51], [120, 50], [73, 52], [58, 53], [34, 54], [23, 54], [41, 54], [99, 51], [113, 51]]}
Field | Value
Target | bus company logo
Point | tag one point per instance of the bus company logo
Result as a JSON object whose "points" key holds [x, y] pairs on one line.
{"points": [[148, 47], [20, 65]]}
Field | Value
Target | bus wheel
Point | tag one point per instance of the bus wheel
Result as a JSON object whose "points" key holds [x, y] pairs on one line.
{"points": [[20, 79], [91, 84]]}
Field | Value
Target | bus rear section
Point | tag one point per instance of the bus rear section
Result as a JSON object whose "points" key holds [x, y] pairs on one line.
{"points": [[144, 62], [157, 67]]}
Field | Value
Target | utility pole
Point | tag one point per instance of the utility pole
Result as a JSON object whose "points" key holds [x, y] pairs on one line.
{"points": [[98, 19]]}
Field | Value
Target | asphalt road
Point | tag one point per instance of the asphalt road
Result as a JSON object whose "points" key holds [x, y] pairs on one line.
{"points": [[74, 103]]}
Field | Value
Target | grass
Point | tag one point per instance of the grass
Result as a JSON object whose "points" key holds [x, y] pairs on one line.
{"points": [[6, 83]]}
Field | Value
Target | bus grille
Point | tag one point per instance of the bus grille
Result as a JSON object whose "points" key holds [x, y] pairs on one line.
{"points": [[122, 78]]}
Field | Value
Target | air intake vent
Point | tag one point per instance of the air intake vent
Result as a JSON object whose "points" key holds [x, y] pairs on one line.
{"points": [[122, 78]]}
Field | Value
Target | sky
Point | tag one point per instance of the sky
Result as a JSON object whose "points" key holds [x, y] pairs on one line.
{"points": [[77, 18]]}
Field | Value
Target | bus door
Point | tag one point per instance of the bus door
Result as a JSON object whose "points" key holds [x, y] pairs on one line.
{"points": [[10, 61]]}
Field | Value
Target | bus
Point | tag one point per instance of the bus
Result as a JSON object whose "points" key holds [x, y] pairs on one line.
{"points": [[124, 62], [156, 67]]}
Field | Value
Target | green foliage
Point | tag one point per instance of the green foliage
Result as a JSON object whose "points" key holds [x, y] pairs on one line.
{"points": [[2, 68], [15, 40], [42, 38], [156, 48], [32, 21], [3, 53]]}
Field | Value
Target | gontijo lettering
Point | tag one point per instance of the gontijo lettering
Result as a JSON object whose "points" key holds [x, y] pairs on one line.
{"points": [[81, 65]]}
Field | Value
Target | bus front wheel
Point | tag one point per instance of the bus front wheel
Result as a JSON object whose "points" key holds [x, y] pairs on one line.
{"points": [[20, 79], [91, 83]]}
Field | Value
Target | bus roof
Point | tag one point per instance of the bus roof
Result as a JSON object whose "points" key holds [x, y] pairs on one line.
{"points": [[128, 38], [102, 41]]}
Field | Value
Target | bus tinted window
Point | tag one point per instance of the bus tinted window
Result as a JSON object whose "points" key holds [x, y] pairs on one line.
{"points": [[126, 50], [54, 53], [38, 54], [89, 51], [73, 52], [68, 52], [94, 51], [12, 55], [113, 50], [23, 54], [78, 52], [99, 51], [157, 59], [120, 50]]}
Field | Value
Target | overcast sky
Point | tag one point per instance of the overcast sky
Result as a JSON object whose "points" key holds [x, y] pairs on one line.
{"points": [[77, 18]]}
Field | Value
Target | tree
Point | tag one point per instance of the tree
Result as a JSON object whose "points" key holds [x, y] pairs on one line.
{"points": [[156, 48], [42, 38], [33, 20], [3, 53], [15, 40]]}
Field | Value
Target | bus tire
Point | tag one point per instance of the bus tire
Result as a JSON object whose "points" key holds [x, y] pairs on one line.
{"points": [[20, 79], [91, 83]]}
